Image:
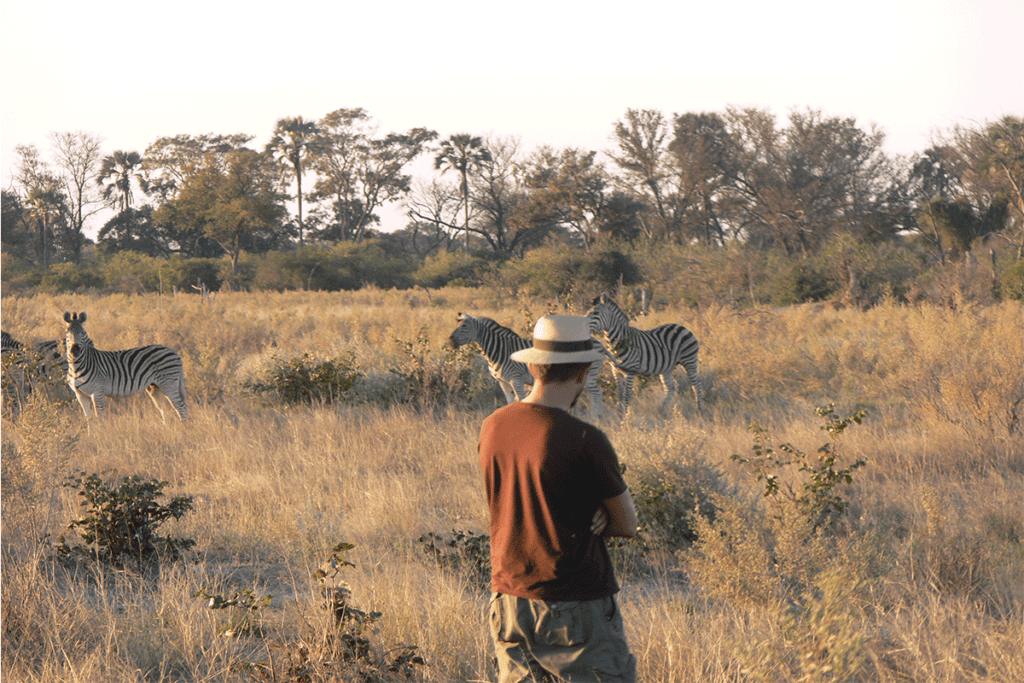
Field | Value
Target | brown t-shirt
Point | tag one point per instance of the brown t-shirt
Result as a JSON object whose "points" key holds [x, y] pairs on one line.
{"points": [[546, 472]]}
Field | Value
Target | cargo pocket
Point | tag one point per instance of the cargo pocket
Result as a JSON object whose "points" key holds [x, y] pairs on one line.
{"points": [[562, 624], [498, 622]]}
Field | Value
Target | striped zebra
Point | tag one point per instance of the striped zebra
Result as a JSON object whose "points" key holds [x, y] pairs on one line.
{"points": [[645, 352], [93, 374], [498, 343], [40, 355], [28, 366], [9, 343]]}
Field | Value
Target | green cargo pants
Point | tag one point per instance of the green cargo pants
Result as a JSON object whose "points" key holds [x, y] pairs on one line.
{"points": [[576, 642]]}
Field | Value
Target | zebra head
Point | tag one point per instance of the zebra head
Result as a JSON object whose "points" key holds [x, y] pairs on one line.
{"points": [[606, 316], [75, 339], [465, 333]]}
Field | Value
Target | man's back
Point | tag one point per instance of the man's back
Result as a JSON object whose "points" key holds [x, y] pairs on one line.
{"points": [[546, 474]]}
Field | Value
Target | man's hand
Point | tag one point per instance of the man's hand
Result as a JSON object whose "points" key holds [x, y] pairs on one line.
{"points": [[600, 521]]}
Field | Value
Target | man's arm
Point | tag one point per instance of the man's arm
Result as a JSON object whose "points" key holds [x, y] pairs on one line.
{"points": [[616, 517]]}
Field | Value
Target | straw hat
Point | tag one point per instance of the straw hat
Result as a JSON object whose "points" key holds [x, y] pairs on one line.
{"points": [[560, 339]]}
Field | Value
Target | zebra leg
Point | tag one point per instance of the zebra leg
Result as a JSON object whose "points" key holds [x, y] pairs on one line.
{"points": [[624, 384], [594, 390], [668, 381], [175, 396], [155, 393], [510, 394], [520, 388], [83, 399], [183, 408], [99, 403], [695, 383]]}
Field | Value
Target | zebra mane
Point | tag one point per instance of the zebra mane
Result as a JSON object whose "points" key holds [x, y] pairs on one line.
{"points": [[606, 300], [495, 326]]}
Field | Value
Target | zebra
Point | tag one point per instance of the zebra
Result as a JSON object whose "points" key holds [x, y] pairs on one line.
{"points": [[40, 355], [498, 343], [9, 343], [94, 374], [31, 364], [645, 352]]}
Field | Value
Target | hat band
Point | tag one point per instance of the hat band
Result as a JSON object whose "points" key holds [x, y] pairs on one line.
{"points": [[562, 346]]}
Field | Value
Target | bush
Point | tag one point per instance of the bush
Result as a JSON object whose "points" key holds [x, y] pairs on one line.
{"points": [[71, 277], [121, 521], [17, 273], [794, 282], [305, 380], [130, 272], [564, 272], [667, 496], [818, 497], [184, 273], [429, 379], [1012, 281], [455, 268], [346, 266], [347, 651], [752, 556], [463, 552]]}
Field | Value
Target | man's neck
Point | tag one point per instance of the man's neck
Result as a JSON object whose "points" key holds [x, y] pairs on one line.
{"points": [[554, 394]]}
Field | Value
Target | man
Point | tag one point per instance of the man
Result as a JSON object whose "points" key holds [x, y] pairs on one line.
{"points": [[555, 490]]}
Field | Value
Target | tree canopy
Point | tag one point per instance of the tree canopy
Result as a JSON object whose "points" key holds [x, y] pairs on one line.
{"points": [[742, 176]]}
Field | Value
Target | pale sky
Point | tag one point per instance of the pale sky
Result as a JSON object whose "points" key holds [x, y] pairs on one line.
{"points": [[555, 73]]}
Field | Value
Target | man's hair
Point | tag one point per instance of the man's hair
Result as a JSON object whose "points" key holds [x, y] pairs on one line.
{"points": [[558, 372]]}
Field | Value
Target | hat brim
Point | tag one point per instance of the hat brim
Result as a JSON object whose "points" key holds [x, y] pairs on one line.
{"points": [[538, 357]]}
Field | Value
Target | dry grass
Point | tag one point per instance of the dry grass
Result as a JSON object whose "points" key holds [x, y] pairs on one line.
{"points": [[924, 584]]}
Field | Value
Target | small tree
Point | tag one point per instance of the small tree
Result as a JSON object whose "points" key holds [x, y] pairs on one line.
{"points": [[121, 520]]}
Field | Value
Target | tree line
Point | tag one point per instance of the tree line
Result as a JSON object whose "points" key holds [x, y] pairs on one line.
{"points": [[737, 179]]}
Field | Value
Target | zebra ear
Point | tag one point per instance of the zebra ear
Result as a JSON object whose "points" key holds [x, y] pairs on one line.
{"points": [[81, 317], [67, 317]]}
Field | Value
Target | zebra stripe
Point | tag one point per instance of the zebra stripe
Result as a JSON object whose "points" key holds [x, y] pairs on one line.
{"points": [[645, 352], [93, 374], [41, 356], [498, 343], [29, 366], [9, 343]]}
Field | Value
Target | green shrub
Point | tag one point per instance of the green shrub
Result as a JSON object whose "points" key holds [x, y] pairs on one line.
{"points": [[456, 268], [346, 266], [305, 380], [186, 273], [346, 651], [794, 282], [436, 380], [463, 552], [818, 497], [748, 555], [71, 277], [130, 272], [121, 520], [17, 273], [547, 272], [667, 496], [1012, 281], [245, 609]]}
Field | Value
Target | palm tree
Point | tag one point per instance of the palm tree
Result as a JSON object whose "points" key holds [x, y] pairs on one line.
{"points": [[458, 152], [45, 205], [116, 173], [293, 140]]}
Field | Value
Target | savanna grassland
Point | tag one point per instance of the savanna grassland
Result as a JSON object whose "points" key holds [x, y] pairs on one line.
{"points": [[898, 557]]}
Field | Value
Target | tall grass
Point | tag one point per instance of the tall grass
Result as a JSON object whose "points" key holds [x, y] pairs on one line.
{"points": [[921, 581]]}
